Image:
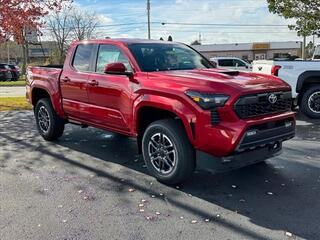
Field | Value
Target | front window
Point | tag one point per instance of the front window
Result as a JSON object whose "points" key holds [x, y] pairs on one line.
{"points": [[110, 54], [163, 57]]}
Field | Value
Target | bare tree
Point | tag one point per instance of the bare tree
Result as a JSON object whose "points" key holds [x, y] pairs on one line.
{"points": [[83, 24], [59, 24]]}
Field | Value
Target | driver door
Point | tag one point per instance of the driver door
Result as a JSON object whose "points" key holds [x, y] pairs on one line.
{"points": [[110, 95]]}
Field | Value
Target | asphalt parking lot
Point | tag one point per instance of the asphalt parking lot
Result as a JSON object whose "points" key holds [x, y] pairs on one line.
{"points": [[92, 185]]}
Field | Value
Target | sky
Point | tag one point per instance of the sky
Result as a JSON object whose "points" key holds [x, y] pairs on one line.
{"points": [[127, 18]]}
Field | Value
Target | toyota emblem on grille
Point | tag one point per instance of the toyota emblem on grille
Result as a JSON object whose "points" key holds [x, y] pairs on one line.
{"points": [[272, 98]]}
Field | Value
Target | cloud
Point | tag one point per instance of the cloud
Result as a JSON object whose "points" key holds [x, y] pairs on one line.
{"points": [[192, 11]]}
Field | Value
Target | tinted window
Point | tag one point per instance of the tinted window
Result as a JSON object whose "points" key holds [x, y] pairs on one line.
{"points": [[226, 63], [82, 58], [110, 54], [163, 57], [240, 63]]}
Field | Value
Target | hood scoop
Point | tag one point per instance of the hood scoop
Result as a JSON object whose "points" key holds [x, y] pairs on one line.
{"points": [[230, 73]]}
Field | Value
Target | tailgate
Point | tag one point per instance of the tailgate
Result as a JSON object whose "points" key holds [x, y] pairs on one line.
{"points": [[262, 66]]}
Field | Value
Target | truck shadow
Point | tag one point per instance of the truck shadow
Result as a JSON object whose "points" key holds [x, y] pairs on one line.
{"points": [[282, 194], [273, 195]]}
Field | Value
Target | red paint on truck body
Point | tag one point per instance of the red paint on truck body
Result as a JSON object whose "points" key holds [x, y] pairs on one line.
{"points": [[113, 102]]}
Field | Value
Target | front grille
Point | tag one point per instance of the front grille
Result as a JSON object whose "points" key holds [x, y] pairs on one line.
{"points": [[259, 104]]}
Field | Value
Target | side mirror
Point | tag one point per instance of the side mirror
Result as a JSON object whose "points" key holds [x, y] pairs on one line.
{"points": [[117, 68]]}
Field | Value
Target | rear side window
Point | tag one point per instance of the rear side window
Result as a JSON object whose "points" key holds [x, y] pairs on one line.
{"points": [[82, 57], [226, 63]]}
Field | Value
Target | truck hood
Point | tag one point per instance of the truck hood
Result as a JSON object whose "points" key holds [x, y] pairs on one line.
{"points": [[217, 78]]}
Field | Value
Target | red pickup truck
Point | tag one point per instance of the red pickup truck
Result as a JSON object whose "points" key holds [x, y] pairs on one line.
{"points": [[184, 112]]}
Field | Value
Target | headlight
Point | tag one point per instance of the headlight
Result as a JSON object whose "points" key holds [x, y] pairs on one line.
{"points": [[208, 100]]}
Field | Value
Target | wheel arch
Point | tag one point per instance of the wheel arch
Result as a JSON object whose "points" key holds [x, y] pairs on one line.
{"points": [[39, 92], [306, 79], [148, 112]]}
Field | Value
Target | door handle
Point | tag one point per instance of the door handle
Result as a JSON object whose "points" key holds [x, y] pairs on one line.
{"points": [[66, 79], [94, 83]]}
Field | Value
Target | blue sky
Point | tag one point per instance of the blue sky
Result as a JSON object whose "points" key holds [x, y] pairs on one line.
{"points": [[133, 13]]}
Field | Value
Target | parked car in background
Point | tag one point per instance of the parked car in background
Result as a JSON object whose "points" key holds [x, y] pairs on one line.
{"points": [[15, 71], [5, 72], [302, 76], [231, 63], [183, 111]]}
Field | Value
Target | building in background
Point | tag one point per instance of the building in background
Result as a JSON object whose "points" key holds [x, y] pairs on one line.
{"points": [[252, 51], [39, 52]]}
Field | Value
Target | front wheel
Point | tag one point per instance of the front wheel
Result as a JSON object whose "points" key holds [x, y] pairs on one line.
{"points": [[167, 152], [310, 102], [50, 126]]}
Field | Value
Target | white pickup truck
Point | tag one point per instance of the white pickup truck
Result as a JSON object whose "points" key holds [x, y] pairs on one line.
{"points": [[302, 76]]}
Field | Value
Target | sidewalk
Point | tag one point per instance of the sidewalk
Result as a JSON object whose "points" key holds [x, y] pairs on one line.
{"points": [[12, 91]]}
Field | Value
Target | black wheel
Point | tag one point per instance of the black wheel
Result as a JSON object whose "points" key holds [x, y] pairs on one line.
{"points": [[167, 152], [49, 125], [310, 102]]}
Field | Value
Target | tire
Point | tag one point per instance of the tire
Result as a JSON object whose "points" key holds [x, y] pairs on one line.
{"points": [[182, 156], [49, 125], [310, 102]]}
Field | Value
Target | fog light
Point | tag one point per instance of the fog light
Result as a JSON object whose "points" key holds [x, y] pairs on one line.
{"points": [[251, 133], [288, 124]]}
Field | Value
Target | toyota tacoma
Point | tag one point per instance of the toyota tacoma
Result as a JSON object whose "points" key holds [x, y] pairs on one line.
{"points": [[184, 112]]}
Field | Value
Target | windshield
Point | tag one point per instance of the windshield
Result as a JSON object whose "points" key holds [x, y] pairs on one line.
{"points": [[163, 57], [317, 53]]}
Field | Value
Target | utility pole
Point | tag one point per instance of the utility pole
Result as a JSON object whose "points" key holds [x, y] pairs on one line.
{"points": [[148, 10], [199, 37]]}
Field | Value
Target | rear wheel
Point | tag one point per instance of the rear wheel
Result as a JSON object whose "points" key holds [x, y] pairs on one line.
{"points": [[310, 102], [167, 152], [49, 124]]}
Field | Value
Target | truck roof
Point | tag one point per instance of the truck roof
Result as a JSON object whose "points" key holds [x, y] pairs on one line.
{"points": [[124, 41]]}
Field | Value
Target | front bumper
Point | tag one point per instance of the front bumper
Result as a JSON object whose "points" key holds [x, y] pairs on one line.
{"points": [[237, 160], [232, 138]]}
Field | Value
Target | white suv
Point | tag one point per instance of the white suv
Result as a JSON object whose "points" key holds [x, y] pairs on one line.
{"points": [[231, 63]]}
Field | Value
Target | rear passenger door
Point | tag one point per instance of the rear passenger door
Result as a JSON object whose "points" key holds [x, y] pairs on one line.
{"points": [[74, 81]]}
